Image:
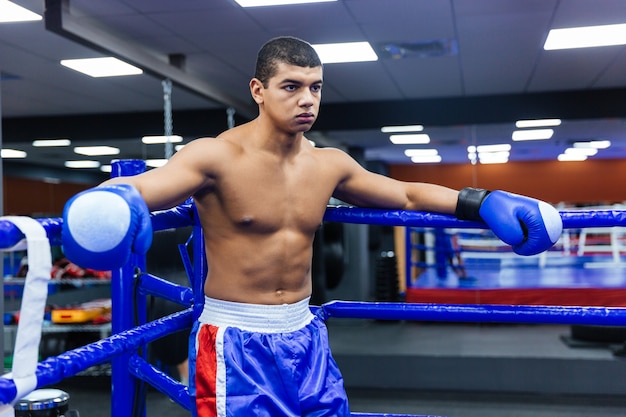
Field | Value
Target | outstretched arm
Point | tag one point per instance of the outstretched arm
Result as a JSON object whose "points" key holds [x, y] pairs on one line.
{"points": [[183, 175], [102, 226], [367, 189], [530, 226]]}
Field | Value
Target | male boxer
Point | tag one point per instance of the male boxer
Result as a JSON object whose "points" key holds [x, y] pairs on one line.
{"points": [[261, 190]]}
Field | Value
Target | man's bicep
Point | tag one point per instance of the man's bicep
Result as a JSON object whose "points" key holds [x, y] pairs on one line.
{"points": [[367, 189], [168, 186], [163, 187]]}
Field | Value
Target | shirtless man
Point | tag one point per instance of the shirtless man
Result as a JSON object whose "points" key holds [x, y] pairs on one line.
{"points": [[261, 190]]}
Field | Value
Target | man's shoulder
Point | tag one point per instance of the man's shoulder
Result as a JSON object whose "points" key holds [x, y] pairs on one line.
{"points": [[220, 143], [332, 153]]}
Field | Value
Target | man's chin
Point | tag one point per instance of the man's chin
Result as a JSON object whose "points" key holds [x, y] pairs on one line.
{"points": [[303, 128]]}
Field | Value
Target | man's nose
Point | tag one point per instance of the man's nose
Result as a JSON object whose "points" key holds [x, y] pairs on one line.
{"points": [[306, 99]]}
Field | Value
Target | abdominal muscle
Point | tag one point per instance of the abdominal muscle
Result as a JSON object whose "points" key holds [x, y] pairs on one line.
{"points": [[270, 268]]}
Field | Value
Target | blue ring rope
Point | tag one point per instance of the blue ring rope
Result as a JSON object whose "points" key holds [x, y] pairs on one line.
{"points": [[182, 216]]}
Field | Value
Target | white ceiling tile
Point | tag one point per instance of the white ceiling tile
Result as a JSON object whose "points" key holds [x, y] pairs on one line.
{"points": [[571, 68]]}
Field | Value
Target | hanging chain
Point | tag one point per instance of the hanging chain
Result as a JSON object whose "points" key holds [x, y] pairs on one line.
{"points": [[167, 112], [231, 117]]}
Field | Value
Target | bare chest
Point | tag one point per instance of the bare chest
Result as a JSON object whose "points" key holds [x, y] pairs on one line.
{"points": [[267, 198]]}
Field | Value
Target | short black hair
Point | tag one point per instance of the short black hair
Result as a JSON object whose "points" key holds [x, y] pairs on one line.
{"points": [[286, 49]]}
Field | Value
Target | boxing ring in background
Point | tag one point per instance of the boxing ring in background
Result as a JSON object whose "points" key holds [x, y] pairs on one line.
{"points": [[130, 287]]}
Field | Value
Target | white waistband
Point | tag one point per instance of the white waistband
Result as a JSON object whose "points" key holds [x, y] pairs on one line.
{"points": [[259, 318]]}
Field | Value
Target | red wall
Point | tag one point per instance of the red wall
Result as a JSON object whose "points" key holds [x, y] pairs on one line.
{"points": [[28, 197], [587, 182]]}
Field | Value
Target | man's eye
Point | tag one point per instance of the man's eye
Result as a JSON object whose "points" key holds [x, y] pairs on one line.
{"points": [[290, 87], [316, 88]]}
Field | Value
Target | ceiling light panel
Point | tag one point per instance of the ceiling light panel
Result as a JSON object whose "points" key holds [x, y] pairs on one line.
{"points": [[425, 159], [417, 139], [534, 134], [537, 123], [596, 144], [335, 53], [402, 129], [11, 12], [155, 163], [586, 37], [96, 150], [82, 164], [581, 151], [501, 147], [262, 3], [12, 154], [420, 152], [101, 67], [564, 157], [153, 140], [49, 143], [494, 157]]}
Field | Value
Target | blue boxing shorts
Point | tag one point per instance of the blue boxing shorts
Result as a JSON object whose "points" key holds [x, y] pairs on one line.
{"points": [[263, 360]]}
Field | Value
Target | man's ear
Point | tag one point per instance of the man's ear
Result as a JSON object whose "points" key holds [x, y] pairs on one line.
{"points": [[256, 90]]}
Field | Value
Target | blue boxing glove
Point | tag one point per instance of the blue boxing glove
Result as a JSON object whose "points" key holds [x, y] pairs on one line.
{"points": [[103, 225], [530, 226]]}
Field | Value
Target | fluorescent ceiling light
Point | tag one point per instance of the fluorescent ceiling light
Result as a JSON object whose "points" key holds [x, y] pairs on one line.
{"points": [[571, 157], [493, 161], [106, 168], [96, 150], [424, 159], [101, 67], [494, 157], [537, 123], [535, 134], [498, 154], [402, 129], [489, 154], [82, 164], [581, 151], [151, 140], [155, 163], [504, 147], [596, 144], [420, 152], [178, 147], [44, 143], [586, 37], [334, 53], [417, 139], [12, 154], [11, 12], [260, 3]]}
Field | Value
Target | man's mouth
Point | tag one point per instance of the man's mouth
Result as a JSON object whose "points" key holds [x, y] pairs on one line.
{"points": [[305, 117]]}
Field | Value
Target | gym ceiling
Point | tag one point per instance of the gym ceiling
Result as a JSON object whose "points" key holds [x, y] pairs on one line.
{"points": [[470, 69]]}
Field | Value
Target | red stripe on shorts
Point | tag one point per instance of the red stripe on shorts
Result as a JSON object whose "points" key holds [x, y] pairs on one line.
{"points": [[206, 372]]}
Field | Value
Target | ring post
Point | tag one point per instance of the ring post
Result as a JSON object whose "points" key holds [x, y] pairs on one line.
{"points": [[124, 304]]}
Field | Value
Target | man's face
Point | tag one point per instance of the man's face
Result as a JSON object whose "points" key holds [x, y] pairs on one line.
{"points": [[292, 97]]}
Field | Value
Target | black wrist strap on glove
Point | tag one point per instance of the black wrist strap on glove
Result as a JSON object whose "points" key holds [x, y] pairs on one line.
{"points": [[468, 203]]}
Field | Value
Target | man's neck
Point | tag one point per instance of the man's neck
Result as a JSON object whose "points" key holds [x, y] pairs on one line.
{"points": [[277, 141]]}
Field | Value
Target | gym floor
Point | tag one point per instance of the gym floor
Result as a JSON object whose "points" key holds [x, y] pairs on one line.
{"points": [[463, 347], [95, 402]]}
